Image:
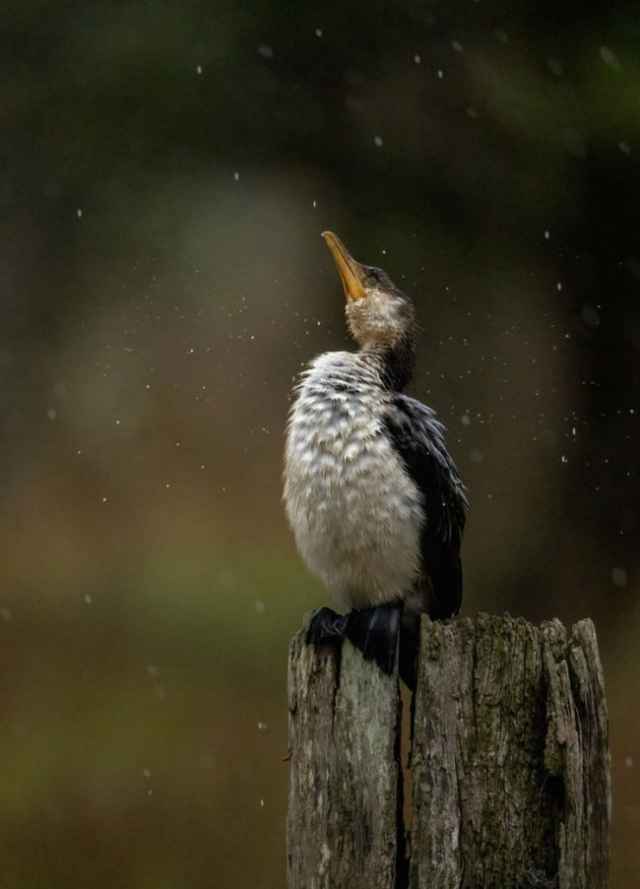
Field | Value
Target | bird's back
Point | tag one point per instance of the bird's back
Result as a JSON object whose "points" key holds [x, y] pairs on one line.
{"points": [[418, 437]]}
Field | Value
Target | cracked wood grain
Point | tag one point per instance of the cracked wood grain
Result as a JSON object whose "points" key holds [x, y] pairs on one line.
{"points": [[509, 759], [344, 770]]}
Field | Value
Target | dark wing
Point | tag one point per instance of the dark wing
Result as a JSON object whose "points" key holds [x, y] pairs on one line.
{"points": [[418, 437]]}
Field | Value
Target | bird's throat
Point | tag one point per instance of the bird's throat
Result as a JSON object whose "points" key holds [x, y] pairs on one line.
{"points": [[395, 363]]}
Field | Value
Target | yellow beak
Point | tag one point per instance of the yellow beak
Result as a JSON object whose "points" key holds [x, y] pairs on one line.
{"points": [[351, 272]]}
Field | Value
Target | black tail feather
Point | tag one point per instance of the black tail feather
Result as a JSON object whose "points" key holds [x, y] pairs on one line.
{"points": [[375, 632]]}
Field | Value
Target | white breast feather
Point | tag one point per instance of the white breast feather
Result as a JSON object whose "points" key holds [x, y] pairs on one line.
{"points": [[354, 510]]}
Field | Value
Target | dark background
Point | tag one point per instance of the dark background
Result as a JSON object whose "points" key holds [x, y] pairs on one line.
{"points": [[166, 168]]}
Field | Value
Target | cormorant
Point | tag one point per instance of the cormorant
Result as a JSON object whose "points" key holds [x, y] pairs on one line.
{"points": [[374, 499]]}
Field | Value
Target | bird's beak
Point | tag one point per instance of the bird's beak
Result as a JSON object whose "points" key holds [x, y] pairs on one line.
{"points": [[351, 272]]}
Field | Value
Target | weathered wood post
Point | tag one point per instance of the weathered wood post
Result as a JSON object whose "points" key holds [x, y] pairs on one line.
{"points": [[509, 763]]}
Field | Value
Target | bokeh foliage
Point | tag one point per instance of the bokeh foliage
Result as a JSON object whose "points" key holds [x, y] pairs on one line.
{"points": [[166, 171]]}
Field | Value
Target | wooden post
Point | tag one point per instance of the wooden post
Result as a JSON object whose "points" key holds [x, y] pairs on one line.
{"points": [[344, 770], [509, 763]]}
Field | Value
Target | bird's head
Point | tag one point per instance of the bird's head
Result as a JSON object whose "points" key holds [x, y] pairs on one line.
{"points": [[378, 314]]}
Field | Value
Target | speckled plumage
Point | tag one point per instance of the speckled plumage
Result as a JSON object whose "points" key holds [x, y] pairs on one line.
{"points": [[355, 512]]}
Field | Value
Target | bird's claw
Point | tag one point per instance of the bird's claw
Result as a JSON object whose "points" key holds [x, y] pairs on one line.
{"points": [[326, 627], [373, 631]]}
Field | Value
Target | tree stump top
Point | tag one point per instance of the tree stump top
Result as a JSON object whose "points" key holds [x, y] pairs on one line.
{"points": [[509, 763]]}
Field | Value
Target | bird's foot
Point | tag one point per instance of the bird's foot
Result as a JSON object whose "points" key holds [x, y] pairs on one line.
{"points": [[326, 627], [375, 632]]}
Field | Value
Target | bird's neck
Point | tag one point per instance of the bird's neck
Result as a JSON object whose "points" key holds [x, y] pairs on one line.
{"points": [[395, 363]]}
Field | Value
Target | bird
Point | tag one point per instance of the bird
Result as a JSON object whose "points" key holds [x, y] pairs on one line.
{"points": [[374, 499]]}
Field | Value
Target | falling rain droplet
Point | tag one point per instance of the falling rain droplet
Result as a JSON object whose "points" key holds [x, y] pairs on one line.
{"points": [[619, 577], [610, 58]]}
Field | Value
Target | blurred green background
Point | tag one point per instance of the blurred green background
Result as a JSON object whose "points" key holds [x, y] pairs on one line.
{"points": [[166, 169]]}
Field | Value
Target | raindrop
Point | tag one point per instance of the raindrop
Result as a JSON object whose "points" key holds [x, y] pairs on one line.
{"points": [[52, 413], [88, 600], [619, 577], [564, 459], [610, 58], [319, 32], [378, 141], [624, 147], [439, 73], [79, 213], [556, 67], [590, 315], [417, 58], [265, 51], [199, 69], [236, 176]]}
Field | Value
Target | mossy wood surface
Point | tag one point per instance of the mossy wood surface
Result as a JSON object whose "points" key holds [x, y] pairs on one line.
{"points": [[509, 759], [344, 770]]}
